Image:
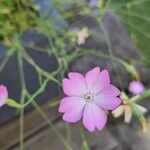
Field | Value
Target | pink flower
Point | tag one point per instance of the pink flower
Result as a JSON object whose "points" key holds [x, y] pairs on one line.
{"points": [[89, 97], [136, 87], [3, 95]]}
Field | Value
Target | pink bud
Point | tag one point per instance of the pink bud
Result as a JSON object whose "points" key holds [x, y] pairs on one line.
{"points": [[136, 87], [3, 95]]}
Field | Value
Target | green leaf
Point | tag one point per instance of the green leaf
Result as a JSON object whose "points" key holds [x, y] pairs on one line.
{"points": [[135, 15]]}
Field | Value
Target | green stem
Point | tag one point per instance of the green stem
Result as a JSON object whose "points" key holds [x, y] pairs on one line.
{"points": [[85, 145], [141, 97], [45, 117], [68, 133], [6, 58], [21, 123], [22, 99], [12, 103], [49, 122], [129, 67], [42, 87], [38, 69]]}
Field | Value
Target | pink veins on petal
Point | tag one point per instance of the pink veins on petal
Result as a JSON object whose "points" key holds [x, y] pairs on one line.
{"points": [[3, 95], [88, 97]]}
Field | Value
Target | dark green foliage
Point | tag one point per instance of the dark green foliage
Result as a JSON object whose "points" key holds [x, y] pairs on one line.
{"points": [[16, 16]]}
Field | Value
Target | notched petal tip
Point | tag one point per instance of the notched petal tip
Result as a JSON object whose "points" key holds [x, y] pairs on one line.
{"points": [[73, 75], [115, 90], [69, 118], [91, 77], [94, 72], [65, 84], [105, 74], [65, 118], [65, 80], [91, 130]]}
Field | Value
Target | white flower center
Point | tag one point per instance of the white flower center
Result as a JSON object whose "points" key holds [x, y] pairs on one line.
{"points": [[89, 96]]}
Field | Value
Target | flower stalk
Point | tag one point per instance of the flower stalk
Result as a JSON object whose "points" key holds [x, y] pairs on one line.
{"points": [[13, 103], [141, 97]]}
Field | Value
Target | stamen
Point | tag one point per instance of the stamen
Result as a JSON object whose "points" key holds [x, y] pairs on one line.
{"points": [[89, 96]]}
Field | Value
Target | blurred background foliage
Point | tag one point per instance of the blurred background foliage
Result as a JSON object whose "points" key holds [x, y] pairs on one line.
{"points": [[18, 16], [135, 15]]}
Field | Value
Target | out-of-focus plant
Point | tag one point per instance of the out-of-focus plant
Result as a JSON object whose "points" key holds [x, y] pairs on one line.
{"points": [[16, 17], [135, 15]]}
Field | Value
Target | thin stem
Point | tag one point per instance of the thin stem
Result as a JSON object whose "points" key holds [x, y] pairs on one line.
{"points": [[109, 44], [68, 133], [21, 123], [141, 97], [129, 68], [51, 124], [6, 58], [38, 69], [85, 145], [3, 63], [42, 88], [22, 79], [48, 121], [36, 48]]}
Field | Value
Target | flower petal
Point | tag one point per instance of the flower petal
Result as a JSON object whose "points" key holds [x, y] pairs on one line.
{"points": [[3, 95], [69, 103], [91, 76], [107, 102], [75, 86], [94, 117], [101, 83], [110, 90], [75, 114]]}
